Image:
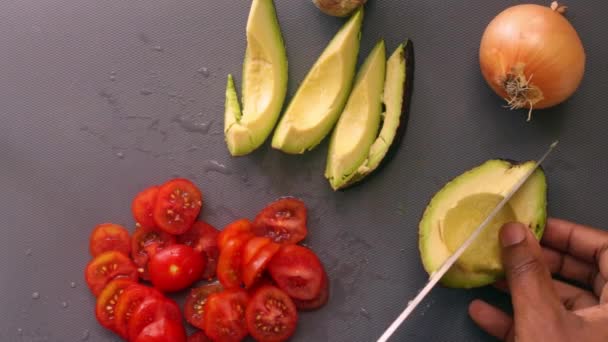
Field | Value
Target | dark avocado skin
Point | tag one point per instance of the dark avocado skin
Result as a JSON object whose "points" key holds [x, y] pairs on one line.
{"points": [[402, 128]]}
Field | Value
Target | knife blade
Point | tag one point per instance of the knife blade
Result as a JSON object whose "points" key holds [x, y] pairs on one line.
{"points": [[437, 275]]}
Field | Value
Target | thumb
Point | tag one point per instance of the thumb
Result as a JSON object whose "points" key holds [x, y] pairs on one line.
{"points": [[529, 280]]}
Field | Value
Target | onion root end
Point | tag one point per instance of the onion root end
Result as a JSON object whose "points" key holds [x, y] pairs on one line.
{"points": [[521, 93]]}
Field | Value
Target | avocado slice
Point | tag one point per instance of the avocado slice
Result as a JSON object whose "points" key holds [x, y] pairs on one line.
{"points": [[396, 98], [264, 83], [462, 204], [319, 100], [358, 125]]}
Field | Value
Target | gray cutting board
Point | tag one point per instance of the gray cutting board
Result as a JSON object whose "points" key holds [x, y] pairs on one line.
{"points": [[101, 98]]}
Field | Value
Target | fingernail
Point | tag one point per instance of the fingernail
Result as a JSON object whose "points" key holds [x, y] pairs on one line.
{"points": [[512, 234]]}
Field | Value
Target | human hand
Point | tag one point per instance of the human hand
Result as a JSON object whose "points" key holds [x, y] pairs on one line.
{"points": [[546, 309]]}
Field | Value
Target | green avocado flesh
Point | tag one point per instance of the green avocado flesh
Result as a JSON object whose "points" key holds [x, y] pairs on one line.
{"points": [[264, 83], [463, 203], [358, 125], [319, 100]]}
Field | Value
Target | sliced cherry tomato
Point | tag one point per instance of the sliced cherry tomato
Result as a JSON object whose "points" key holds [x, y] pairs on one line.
{"points": [[194, 309], [297, 271], [229, 271], [128, 303], [203, 238], [284, 221], [143, 207], [152, 309], [199, 336], [163, 330], [106, 267], [105, 308], [178, 204], [235, 228], [176, 267], [253, 270], [225, 315], [317, 302], [109, 237], [253, 246], [271, 315], [145, 241]]}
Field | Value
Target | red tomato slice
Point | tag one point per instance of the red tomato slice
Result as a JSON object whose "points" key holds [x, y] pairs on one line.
{"points": [[152, 309], [163, 330], [253, 246], [142, 207], [199, 336], [229, 271], [106, 267], [284, 221], [253, 270], [128, 303], [203, 238], [225, 315], [233, 229], [105, 307], [176, 267], [271, 315], [178, 204], [194, 310], [109, 237], [143, 239], [317, 302], [297, 271]]}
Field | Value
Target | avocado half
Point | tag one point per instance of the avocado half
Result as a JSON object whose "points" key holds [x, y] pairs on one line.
{"points": [[463, 203], [264, 83], [364, 135], [318, 102]]}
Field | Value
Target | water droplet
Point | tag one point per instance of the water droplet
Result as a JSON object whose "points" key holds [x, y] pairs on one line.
{"points": [[158, 48], [35, 295], [64, 305], [112, 76], [146, 92], [113, 73], [73, 285], [203, 71], [192, 148], [365, 313], [85, 335], [194, 123], [120, 155], [402, 249], [215, 166], [28, 252], [19, 331]]}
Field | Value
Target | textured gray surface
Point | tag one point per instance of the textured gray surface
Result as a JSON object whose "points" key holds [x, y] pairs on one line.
{"points": [[100, 98]]}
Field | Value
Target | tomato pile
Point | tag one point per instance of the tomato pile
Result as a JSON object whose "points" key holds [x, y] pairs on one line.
{"points": [[263, 276]]}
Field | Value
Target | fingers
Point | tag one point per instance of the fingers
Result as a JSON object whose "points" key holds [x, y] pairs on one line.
{"points": [[582, 242], [569, 267], [490, 319], [532, 291]]}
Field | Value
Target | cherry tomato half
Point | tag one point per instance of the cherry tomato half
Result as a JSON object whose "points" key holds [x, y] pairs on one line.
{"points": [[203, 238], [106, 267], [297, 271], [178, 204], [229, 271], [176, 267], [317, 302], [253, 270], [253, 246], [109, 237], [128, 303], [147, 241], [152, 309], [194, 310], [235, 228], [284, 221], [163, 330], [225, 315], [271, 315], [105, 307], [199, 336], [142, 207]]}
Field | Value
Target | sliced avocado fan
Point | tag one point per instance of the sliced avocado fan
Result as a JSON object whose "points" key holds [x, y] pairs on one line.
{"points": [[264, 83], [316, 105], [463, 203], [347, 166]]}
